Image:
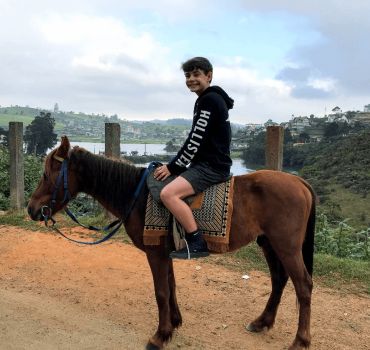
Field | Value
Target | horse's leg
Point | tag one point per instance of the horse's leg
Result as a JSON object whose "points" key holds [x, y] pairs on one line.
{"points": [[303, 285], [176, 318], [160, 266], [279, 279]]}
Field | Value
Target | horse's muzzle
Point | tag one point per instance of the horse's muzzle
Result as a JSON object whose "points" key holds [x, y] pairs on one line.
{"points": [[35, 216]]}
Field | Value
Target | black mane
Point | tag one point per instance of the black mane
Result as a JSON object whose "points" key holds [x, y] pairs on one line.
{"points": [[111, 180]]}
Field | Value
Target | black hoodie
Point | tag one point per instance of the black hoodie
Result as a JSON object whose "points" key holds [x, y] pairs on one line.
{"points": [[210, 135]]}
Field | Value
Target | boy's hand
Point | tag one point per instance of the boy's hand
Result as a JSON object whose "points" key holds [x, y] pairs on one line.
{"points": [[161, 173]]}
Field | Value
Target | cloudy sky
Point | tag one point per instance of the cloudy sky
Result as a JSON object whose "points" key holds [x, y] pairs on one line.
{"points": [[275, 58]]}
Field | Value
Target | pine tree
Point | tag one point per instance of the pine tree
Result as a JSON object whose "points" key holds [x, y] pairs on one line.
{"points": [[39, 135]]}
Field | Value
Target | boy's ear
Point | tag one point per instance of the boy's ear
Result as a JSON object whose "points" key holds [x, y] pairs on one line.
{"points": [[64, 147], [210, 76]]}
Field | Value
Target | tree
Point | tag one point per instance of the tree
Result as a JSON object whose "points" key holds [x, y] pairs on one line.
{"points": [[303, 137], [287, 136], [336, 129], [255, 153], [171, 146], [4, 137], [39, 135]]}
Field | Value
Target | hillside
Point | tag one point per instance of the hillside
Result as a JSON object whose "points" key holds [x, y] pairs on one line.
{"points": [[339, 170], [337, 167], [90, 127]]}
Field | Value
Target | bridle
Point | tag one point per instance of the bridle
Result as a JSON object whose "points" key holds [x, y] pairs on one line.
{"points": [[47, 210]]}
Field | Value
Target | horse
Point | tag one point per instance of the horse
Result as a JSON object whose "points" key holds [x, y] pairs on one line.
{"points": [[275, 208]]}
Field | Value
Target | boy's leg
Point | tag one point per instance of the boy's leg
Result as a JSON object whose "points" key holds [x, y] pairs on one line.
{"points": [[172, 197]]}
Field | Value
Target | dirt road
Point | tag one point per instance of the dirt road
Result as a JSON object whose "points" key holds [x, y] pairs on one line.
{"points": [[58, 295]]}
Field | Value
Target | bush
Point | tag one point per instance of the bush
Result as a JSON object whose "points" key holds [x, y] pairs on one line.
{"points": [[341, 240], [4, 178], [32, 174]]}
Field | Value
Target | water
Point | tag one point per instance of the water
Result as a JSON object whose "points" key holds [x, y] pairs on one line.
{"points": [[141, 148], [237, 168]]}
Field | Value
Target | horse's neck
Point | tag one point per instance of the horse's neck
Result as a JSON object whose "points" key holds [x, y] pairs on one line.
{"points": [[110, 182]]}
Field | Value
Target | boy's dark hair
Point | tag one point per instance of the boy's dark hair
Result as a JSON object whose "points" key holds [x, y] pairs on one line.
{"points": [[194, 63]]}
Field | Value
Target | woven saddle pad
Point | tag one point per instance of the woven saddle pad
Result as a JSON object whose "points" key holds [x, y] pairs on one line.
{"points": [[212, 210]]}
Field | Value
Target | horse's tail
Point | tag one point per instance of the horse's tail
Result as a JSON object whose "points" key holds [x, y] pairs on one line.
{"points": [[308, 244]]}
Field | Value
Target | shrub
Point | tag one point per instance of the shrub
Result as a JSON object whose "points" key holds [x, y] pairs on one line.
{"points": [[32, 174], [341, 240]]}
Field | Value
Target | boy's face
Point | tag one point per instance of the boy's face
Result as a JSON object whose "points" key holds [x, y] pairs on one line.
{"points": [[197, 81]]}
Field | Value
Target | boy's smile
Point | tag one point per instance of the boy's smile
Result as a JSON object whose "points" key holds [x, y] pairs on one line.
{"points": [[197, 81]]}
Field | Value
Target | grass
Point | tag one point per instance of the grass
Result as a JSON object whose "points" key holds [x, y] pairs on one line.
{"points": [[352, 205], [25, 119], [346, 275], [6, 118], [342, 274], [20, 218]]}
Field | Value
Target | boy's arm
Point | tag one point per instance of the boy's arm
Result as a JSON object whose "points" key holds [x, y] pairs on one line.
{"points": [[196, 137]]}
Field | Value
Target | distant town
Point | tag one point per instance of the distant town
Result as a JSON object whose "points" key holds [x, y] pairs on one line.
{"points": [[90, 127], [310, 126]]}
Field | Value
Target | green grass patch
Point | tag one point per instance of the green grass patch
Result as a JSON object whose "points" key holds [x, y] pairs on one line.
{"points": [[25, 119], [6, 118], [21, 219], [345, 275], [354, 206]]}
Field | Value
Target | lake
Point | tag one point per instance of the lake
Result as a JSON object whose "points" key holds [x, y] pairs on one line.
{"points": [[237, 168]]}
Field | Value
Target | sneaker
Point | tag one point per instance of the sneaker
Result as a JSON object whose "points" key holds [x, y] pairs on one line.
{"points": [[196, 247]]}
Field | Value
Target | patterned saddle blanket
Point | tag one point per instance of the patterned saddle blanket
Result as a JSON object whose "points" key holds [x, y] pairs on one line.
{"points": [[212, 210]]}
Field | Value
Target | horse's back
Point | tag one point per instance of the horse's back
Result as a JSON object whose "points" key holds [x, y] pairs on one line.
{"points": [[268, 200], [272, 184]]}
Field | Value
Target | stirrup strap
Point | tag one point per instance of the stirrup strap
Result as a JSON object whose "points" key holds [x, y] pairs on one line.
{"points": [[187, 248]]}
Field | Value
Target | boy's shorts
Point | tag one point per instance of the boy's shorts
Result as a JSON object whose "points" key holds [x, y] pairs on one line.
{"points": [[201, 176]]}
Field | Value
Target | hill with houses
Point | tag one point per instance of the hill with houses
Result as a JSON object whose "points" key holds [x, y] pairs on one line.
{"points": [[312, 127], [90, 127]]}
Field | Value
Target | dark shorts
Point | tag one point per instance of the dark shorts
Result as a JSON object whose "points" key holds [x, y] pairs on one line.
{"points": [[201, 176]]}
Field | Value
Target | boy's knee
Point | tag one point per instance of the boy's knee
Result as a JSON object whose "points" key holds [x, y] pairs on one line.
{"points": [[164, 195]]}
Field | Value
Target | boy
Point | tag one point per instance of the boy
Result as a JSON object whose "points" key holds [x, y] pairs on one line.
{"points": [[204, 159]]}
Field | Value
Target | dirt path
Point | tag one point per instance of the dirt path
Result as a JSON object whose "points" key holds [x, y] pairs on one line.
{"points": [[58, 295]]}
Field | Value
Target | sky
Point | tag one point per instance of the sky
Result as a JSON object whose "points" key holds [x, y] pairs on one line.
{"points": [[276, 59]]}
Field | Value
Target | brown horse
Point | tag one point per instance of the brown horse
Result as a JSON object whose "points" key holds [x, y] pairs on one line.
{"points": [[276, 208]]}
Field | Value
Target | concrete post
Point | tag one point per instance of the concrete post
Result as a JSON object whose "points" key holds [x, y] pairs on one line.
{"points": [[16, 165], [112, 140], [274, 147]]}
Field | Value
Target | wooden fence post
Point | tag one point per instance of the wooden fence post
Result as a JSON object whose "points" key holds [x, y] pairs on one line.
{"points": [[274, 147], [16, 165], [112, 148], [112, 140]]}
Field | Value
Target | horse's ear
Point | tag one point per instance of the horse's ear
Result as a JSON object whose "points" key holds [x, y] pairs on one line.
{"points": [[64, 147]]}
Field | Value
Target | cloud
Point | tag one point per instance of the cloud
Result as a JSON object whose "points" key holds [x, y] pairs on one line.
{"points": [[123, 57], [341, 54]]}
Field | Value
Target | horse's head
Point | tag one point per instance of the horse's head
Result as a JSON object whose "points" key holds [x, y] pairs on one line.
{"points": [[57, 185]]}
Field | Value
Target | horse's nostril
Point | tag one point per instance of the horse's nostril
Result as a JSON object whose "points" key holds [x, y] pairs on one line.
{"points": [[29, 211]]}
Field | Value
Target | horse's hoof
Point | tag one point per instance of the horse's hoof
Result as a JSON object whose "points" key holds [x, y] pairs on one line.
{"points": [[151, 346], [252, 328]]}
